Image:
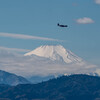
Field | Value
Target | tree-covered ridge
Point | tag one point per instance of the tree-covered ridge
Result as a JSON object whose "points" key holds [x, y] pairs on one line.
{"points": [[74, 87]]}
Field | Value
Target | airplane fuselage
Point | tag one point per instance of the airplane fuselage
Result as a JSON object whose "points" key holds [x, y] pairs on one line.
{"points": [[62, 25]]}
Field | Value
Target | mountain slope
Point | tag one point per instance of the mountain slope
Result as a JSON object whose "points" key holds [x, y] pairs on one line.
{"points": [[4, 87], [11, 79], [60, 61], [55, 53], [47, 60], [74, 87]]}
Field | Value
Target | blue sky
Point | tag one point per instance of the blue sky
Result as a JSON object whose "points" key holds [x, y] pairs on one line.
{"points": [[27, 24]]}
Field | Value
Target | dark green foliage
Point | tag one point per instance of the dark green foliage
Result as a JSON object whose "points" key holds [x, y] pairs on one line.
{"points": [[74, 87], [4, 87]]}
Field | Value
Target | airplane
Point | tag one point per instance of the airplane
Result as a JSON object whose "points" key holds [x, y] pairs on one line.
{"points": [[62, 25]]}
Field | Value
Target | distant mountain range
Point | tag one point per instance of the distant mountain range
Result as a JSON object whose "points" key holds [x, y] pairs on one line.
{"points": [[38, 79], [11, 79], [74, 87], [46, 61], [56, 60]]}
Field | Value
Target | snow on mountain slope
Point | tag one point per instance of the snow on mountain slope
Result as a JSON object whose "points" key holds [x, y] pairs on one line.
{"points": [[58, 54], [55, 53], [44, 61]]}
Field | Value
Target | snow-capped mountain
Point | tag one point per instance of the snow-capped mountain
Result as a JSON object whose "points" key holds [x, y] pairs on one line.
{"points": [[57, 52], [66, 62], [46, 61], [72, 63]]}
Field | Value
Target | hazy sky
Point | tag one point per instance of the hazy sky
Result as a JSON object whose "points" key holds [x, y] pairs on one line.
{"points": [[27, 24]]}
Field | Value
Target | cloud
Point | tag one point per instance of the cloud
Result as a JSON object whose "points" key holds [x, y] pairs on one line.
{"points": [[22, 36], [14, 49], [97, 1], [84, 20], [34, 65]]}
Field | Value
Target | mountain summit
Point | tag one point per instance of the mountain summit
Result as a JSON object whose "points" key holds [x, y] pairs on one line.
{"points": [[47, 60], [57, 52], [58, 60]]}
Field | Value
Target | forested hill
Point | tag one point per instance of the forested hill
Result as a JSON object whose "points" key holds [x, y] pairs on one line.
{"points": [[74, 87]]}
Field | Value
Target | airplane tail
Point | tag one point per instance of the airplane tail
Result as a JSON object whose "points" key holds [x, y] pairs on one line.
{"points": [[58, 24]]}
